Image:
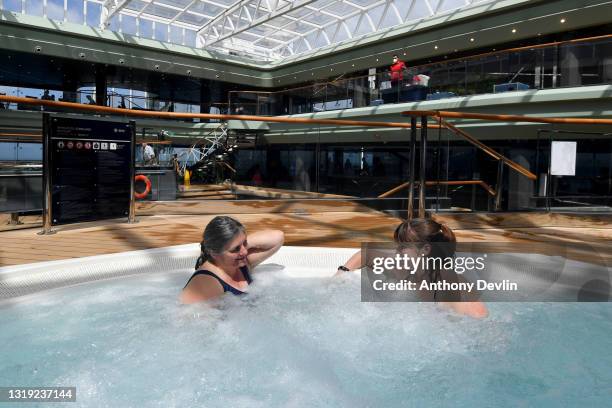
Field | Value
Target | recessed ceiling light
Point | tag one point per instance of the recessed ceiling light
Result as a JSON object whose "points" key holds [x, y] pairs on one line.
{"points": [[562, 20]]}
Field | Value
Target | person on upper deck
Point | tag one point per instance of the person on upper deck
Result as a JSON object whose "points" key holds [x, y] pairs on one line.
{"points": [[397, 70]]}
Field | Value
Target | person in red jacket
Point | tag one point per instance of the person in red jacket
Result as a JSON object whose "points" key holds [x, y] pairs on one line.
{"points": [[397, 70]]}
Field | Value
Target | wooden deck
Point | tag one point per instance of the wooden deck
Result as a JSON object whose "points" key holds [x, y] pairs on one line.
{"points": [[565, 234]]}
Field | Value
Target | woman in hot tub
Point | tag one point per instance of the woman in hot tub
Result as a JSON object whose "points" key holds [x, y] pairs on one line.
{"points": [[427, 238], [226, 259]]}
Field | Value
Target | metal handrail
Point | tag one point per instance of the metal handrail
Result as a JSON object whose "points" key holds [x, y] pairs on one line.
{"points": [[480, 183], [508, 118], [180, 115], [497, 156]]}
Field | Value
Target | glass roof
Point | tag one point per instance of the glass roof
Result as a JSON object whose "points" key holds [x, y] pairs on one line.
{"points": [[260, 29]]}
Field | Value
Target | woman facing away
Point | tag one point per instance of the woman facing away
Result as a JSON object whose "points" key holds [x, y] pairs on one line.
{"points": [[226, 259], [428, 238]]}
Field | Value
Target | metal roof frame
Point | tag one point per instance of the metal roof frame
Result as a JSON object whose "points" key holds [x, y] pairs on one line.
{"points": [[268, 29]]}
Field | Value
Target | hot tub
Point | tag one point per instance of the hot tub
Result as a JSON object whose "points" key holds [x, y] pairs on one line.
{"points": [[112, 327]]}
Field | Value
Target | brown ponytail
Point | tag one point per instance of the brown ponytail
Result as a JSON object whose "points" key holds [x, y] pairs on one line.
{"points": [[204, 255], [420, 232]]}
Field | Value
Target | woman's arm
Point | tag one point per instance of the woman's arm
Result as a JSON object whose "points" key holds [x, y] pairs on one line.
{"points": [[477, 309], [354, 262], [469, 305], [263, 244]]}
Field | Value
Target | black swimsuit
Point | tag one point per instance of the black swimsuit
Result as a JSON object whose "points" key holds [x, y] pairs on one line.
{"points": [[226, 286]]}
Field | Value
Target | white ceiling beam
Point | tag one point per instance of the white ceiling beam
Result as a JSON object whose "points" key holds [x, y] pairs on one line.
{"points": [[219, 17], [286, 15], [184, 10], [382, 17], [268, 16], [109, 9], [397, 13], [431, 10], [302, 19], [350, 15], [409, 11]]}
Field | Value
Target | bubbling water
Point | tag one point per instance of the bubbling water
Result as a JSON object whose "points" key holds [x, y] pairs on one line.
{"points": [[296, 340]]}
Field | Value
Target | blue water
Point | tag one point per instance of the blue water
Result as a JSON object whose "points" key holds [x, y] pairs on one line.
{"points": [[301, 343]]}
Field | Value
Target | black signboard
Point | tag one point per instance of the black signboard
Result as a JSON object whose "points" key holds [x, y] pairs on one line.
{"points": [[91, 167]]}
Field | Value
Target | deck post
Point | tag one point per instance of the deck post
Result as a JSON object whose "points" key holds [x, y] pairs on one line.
{"points": [[132, 209], [47, 199], [413, 132], [422, 186]]}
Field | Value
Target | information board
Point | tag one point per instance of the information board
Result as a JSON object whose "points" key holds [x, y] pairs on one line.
{"points": [[91, 169], [563, 158]]}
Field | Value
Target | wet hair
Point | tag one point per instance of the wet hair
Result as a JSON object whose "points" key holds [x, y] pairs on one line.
{"points": [[422, 231], [217, 234], [395, 56]]}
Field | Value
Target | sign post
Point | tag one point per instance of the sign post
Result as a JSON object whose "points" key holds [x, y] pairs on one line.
{"points": [[46, 176], [88, 170], [132, 210]]}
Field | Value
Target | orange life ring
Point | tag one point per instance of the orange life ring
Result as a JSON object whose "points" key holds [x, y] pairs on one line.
{"points": [[147, 189]]}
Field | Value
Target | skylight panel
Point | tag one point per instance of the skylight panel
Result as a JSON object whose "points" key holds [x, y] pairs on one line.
{"points": [[176, 3], [341, 9], [206, 8], [192, 19], [159, 11], [135, 5], [319, 18]]}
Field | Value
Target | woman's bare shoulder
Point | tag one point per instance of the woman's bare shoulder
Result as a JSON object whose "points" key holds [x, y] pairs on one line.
{"points": [[201, 287]]}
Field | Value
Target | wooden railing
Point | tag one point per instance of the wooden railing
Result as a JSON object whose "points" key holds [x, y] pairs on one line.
{"points": [[405, 185], [179, 115], [508, 118]]}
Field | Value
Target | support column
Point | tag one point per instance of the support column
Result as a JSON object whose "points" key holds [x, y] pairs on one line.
{"points": [[101, 87], [70, 84], [47, 198], [413, 132], [423, 170]]}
